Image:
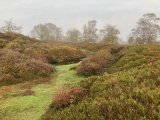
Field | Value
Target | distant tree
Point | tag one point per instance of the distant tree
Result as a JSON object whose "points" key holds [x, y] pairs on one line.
{"points": [[147, 30], [73, 35], [84, 36], [109, 34], [40, 32], [47, 31], [52, 30], [90, 32], [10, 27], [58, 34]]}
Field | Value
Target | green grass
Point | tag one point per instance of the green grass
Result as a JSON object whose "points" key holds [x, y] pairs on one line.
{"points": [[67, 78], [34, 106]]}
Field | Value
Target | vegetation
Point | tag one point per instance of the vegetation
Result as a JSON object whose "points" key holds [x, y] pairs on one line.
{"points": [[23, 58], [128, 89], [147, 30], [109, 34], [73, 35], [33, 98], [10, 27], [47, 31], [108, 82], [16, 67], [90, 32], [104, 58]]}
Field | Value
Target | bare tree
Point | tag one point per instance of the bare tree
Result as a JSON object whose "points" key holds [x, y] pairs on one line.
{"points": [[147, 30], [85, 33], [109, 34], [90, 31], [58, 34], [40, 32], [10, 27], [47, 31], [73, 35], [52, 30]]}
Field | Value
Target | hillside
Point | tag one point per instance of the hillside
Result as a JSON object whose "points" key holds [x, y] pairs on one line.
{"points": [[126, 86], [106, 82], [23, 58]]}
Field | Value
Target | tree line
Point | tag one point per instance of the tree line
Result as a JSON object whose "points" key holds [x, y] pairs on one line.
{"points": [[147, 31]]}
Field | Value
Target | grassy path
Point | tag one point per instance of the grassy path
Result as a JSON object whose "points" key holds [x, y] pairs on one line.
{"points": [[34, 104]]}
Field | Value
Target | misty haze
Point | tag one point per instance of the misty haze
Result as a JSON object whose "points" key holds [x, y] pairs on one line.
{"points": [[79, 60]]}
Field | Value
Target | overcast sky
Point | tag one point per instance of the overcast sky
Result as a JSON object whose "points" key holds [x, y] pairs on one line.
{"points": [[75, 13]]}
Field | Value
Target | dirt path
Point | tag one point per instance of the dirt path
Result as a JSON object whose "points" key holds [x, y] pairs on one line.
{"points": [[30, 100]]}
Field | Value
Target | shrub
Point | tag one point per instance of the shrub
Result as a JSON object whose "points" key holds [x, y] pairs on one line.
{"points": [[104, 58], [19, 67], [33, 68], [87, 68], [7, 78], [67, 97], [64, 54]]}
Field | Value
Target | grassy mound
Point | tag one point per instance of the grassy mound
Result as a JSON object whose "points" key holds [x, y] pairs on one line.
{"points": [[16, 67], [130, 90], [104, 58], [51, 52], [23, 58]]}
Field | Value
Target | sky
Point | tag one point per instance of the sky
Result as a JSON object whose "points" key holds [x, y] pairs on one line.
{"points": [[75, 13]]}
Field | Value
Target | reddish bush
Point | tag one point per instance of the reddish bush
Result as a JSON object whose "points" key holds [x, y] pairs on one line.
{"points": [[88, 68], [33, 68], [67, 97], [94, 65], [19, 66], [62, 100], [104, 58]]}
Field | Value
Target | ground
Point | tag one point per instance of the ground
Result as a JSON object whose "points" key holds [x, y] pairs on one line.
{"points": [[30, 100]]}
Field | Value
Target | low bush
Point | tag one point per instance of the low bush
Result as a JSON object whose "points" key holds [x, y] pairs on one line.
{"points": [[67, 97], [17, 67], [63, 54], [88, 68], [104, 58], [33, 68]]}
